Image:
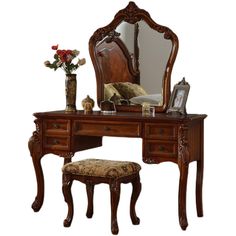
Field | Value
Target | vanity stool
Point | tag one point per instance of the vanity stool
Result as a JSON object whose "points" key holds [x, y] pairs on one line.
{"points": [[96, 171]]}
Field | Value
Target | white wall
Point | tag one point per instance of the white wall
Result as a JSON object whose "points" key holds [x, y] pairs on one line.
{"points": [[207, 36]]}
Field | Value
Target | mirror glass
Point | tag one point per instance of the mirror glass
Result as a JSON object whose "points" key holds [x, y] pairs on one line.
{"points": [[133, 58], [154, 51]]}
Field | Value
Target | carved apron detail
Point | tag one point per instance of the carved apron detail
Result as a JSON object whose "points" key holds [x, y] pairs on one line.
{"points": [[183, 151], [34, 143]]}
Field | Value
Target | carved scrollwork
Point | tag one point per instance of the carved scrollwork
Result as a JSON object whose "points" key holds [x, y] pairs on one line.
{"points": [[66, 155], [150, 160], [66, 179], [132, 13], [100, 33], [34, 143], [183, 151], [111, 35]]}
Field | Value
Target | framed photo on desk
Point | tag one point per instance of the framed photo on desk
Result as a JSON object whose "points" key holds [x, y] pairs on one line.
{"points": [[179, 97]]}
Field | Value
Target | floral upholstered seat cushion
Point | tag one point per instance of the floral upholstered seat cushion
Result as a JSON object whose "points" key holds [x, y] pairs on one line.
{"points": [[101, 168]]}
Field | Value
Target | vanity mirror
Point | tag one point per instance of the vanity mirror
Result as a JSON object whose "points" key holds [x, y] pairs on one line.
{"points": [[133, 57]]}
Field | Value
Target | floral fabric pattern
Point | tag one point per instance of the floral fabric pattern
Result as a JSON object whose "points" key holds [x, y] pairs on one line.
{"points": [[101, 168]]}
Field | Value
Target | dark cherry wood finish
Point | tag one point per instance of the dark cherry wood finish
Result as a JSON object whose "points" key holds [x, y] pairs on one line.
{"points": [[113, 56], [114, 185], [178, 139], [131, 14]]}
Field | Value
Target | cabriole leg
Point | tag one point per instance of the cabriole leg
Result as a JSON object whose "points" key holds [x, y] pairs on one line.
{"points": [[34, 145], [90, 193], [115, 197], [135, 194], [66, 189]]}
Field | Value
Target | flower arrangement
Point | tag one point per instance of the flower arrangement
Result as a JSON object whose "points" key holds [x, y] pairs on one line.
{"points": [[63, 59]]}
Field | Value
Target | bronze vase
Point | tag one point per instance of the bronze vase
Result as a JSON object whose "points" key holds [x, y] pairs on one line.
{"points": [[70, 89]]}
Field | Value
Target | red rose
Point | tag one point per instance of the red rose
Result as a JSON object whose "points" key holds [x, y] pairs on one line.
{"points": [[69, 52], [62, 55], [55, 47]]}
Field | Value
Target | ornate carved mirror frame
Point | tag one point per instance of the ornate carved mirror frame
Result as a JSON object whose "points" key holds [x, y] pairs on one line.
{"points": [[132, 14]]}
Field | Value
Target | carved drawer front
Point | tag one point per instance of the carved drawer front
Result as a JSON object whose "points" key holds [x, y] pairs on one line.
{"points": [[56, 126], [160, 131], [57, 143], [127, 129], [161, 148]]}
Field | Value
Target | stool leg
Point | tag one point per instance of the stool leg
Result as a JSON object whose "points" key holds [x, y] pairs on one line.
{"points": [[66, 189], [115, 197], [135, 194], [90, 191]]}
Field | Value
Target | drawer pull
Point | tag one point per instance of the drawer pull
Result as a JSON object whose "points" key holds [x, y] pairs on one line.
{"points": [[56, 126], [161, 131], [106, 128], [55, 141], [161, 148]]}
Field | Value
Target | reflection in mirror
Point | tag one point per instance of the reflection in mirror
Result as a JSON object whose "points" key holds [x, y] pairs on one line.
{"points": [[150, 52], [133, 58]]}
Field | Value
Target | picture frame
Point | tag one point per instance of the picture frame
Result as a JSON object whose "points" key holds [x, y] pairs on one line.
{"points": [[179, 98]]}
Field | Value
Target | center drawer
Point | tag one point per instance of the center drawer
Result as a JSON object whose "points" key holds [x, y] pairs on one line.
{"points": [[125, 129]]}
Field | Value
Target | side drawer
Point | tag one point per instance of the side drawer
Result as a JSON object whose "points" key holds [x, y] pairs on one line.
{"points": [[57, 142], [125, 129], [56, 126], [161, 148], [160, 131]]}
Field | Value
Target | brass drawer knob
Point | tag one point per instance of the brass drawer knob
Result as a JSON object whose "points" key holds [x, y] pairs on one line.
{"points": [[56, 126], [106, 128], [161, 131], [55, 141], [161, 148]]}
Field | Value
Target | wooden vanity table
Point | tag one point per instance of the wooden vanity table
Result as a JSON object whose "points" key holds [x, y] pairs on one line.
{"points": [[178, 139], [133, 50]]}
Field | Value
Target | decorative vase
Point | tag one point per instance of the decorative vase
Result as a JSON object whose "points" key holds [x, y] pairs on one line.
{"points": [[70, 89]]}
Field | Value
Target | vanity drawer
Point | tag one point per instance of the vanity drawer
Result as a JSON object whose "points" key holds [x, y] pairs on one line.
{"points": [[126, 129], [57, 142], [160, 148], [161, 131], [54, 126]]}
